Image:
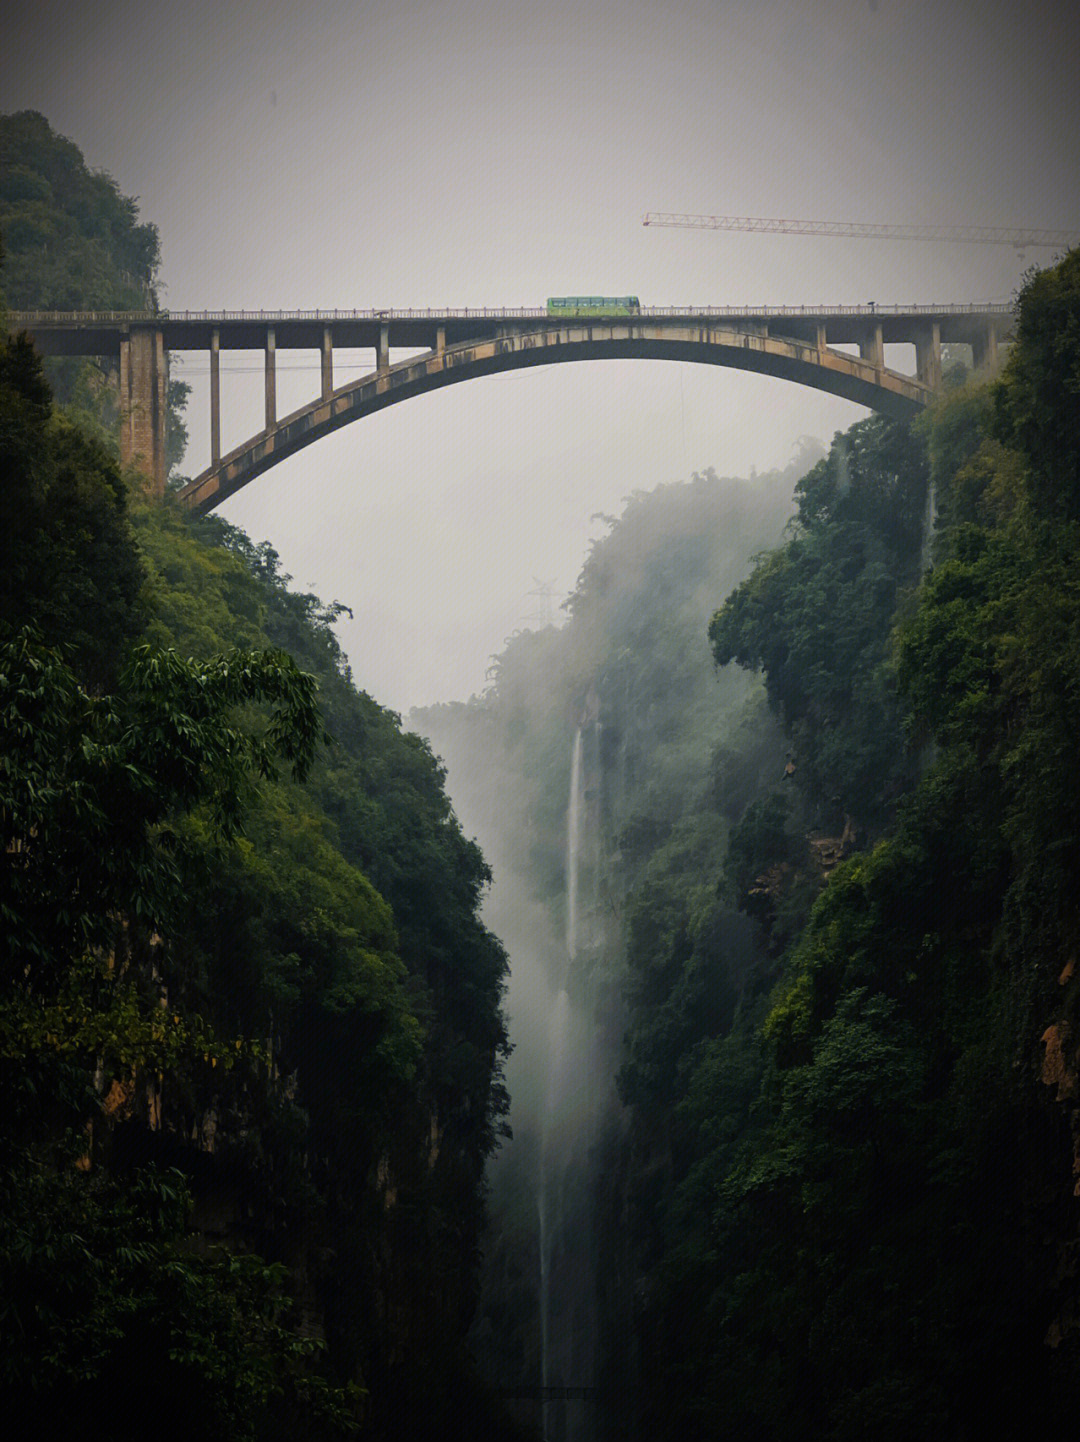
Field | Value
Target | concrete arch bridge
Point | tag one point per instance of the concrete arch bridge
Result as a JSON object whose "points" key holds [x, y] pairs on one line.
{"points": [[795, 343]]}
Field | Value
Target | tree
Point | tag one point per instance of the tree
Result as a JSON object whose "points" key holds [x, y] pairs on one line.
{"points": [[67, 555], [72, 241], [1037, 404]]}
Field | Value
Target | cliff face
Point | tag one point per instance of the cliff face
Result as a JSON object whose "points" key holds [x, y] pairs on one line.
{"points": [[1061, 1057], [294, 1053], [279, 1010], [355, 1153], [1061, 1072]]}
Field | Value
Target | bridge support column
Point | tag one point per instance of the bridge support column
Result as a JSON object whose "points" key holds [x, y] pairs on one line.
{"points": [[821, 335], [327, 363], [984, 348], [215, 397], [271, 377], [127, 446], [871, 347], [440, 339], [143, 396], [382, 355], [928, 355]]}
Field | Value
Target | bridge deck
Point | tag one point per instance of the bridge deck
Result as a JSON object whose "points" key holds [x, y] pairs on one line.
{"points": [[837, 349], [100, 332]]}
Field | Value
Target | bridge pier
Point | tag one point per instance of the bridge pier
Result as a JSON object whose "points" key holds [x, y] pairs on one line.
{"points": [[382, 353], [270, 370], [143, 398], [327, 363], [871, 347], [928, 355], [984, 348], [215, 396]]}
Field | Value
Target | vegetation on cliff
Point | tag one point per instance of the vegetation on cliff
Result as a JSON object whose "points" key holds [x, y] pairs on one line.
{"points": [[844, 1202], [73, 241], [250, 1029], [905, 1178]]}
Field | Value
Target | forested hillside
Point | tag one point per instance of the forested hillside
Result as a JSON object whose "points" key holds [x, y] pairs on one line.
{"points": [[901, 1185], [73, 241], [841, 1200], [250, 1026]]}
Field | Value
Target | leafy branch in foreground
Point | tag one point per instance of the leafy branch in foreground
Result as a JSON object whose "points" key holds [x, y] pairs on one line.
{"points": [[89, 785], [111, 1314]]}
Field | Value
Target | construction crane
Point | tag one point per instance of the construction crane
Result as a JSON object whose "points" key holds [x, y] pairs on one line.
{"points": [[1015, 236]]}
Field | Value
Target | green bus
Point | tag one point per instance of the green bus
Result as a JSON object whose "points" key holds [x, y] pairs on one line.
{"points": [[593, 305]]}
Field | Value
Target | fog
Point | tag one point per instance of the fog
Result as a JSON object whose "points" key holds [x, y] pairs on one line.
{"points": [[423, 153]]}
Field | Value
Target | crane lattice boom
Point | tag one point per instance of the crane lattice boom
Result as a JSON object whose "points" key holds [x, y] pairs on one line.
{"points": [[982, 234]]}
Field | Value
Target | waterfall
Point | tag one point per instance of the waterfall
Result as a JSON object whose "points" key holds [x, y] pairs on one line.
{"points": [[575, 825], [926, 558], [567, 1282], [928, 752], [550, 1199]]}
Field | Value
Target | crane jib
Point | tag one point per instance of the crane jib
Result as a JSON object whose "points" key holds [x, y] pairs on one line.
{"points": [[1017, 236]]}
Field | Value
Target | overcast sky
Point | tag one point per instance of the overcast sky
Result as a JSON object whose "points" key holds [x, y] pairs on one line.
{"points": [[422, 152]]}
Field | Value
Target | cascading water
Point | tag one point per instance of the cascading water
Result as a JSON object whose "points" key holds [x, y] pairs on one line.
{"points": [[926, 558], [927, 754], [550, 1210], [575, 827], [567, 1301]]}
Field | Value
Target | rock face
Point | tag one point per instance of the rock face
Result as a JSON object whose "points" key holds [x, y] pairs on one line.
{"points": [[828, 851], [1059, 1060], [1061, 1057], [1061, 1070]]}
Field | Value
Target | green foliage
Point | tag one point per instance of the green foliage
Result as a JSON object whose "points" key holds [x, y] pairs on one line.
{"points": [[344, 926], [120, 808], [231, 945], [71, 240], [816, 616], [218, 928], [846, 1195], [99, 1018], [1035, 406], [759, 842], [888, 1184], [689, 961], [111, 1323], [67, 558], [88, 785]]}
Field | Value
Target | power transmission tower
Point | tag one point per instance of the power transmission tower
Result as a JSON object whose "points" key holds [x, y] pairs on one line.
{"points": [[1016, 236], [545, 591]]}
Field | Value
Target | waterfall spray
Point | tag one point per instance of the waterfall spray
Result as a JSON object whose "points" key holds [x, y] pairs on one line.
{"points": [[927, 555], [562, 1117], [575, 820]]}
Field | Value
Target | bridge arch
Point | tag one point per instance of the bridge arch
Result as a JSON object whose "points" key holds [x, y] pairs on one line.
{"points": [[750, 348], [795, 343]]}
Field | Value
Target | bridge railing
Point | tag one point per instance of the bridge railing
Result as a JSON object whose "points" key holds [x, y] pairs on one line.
{"points": [[116, 317]]}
